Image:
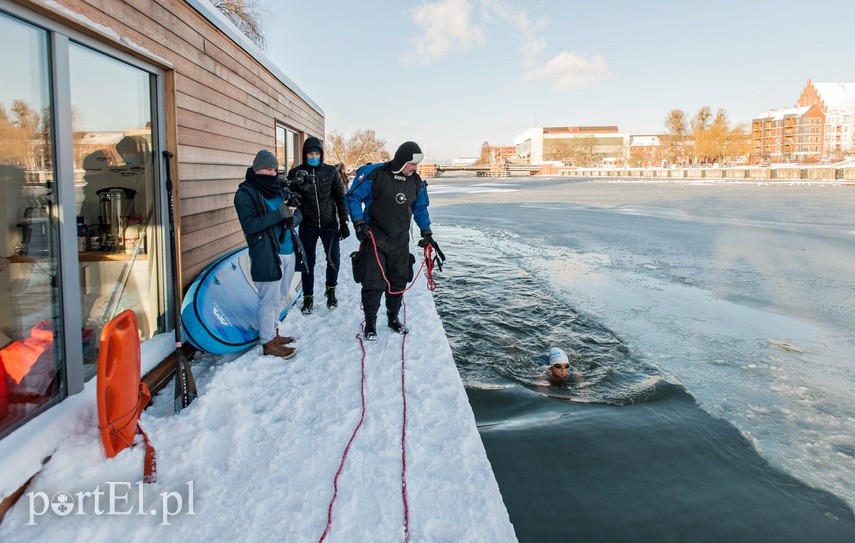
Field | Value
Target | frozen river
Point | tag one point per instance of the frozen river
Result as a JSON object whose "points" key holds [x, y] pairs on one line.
{"points": [[741, 292]]}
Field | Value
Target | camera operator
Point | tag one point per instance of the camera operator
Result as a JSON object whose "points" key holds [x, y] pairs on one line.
{"points": [[267, 218], [321, 195]]}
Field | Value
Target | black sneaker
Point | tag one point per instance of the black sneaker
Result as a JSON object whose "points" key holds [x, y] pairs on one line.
{"points": [[331, 300], [308, 301], [370, 331], [396, 325]]}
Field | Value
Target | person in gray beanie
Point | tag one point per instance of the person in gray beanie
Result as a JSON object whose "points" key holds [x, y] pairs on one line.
{"points": [[268, 214]]}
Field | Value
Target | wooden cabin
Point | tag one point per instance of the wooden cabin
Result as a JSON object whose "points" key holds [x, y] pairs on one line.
{"points": [[91, 95]]}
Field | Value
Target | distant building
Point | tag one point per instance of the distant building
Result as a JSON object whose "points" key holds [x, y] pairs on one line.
{"points": [[788, 135], [837, 102], [498, 154], [605, 144], [464, 161], [644, 151]]}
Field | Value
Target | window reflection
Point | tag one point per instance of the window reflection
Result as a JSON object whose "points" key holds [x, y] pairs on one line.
{"points": [[30, 318], [116, 196]]}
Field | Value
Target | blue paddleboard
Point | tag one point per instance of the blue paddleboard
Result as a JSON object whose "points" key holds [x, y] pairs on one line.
{"points": [[219, 311]]}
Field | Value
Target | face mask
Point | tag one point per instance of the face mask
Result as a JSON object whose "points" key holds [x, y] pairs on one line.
{"points": [[314, 162]]}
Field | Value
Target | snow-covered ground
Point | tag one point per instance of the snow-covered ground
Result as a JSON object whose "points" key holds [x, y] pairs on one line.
{"points": [[254, 457]]}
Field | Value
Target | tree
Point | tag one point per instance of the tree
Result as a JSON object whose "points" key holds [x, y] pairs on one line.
{"points": [[247, 16], [675, 136], [580, 152], [360, 148], [19, 130]]}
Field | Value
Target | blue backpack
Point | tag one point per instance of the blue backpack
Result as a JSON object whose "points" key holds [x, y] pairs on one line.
{"points": [[363, 171]]}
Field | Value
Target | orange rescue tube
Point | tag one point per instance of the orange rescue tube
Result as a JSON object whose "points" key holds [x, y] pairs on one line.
{"points": [[118, 390]]}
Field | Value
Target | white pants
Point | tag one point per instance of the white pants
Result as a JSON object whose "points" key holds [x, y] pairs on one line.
{"points": [[270, 296]]}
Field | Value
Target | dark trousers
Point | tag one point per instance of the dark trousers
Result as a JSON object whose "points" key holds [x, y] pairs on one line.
{"points": [[329, 238], [395, 261]]}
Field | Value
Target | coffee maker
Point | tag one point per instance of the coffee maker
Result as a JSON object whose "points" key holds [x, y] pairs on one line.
{"points": [[35, 232], [116, 206]]}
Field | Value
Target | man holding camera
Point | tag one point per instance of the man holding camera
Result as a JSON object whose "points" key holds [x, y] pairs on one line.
{"points": [[324, 216], [268, 215]]}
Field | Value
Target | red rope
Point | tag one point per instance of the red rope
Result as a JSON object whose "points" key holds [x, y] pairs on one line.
{"points": [[349, 442], [427, 264], [404, 438], [383, 272]]}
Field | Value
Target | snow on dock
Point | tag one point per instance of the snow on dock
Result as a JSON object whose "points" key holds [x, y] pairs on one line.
{"points": [[255, 456]]}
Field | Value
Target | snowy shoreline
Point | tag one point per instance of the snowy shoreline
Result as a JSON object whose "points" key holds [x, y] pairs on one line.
{"points": [[265, 437]]}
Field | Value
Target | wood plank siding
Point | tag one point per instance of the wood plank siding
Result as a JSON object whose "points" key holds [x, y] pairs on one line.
{"points": [[222, 106]]}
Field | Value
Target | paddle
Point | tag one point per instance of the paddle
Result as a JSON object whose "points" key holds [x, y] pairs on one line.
{"points": [[185, 385]]}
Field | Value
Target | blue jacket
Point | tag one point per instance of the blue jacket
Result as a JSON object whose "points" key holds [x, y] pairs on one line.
{"points": [[257, 223]]}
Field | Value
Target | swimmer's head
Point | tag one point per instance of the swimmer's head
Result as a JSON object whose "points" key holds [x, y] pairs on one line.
{"points": [[559, 364]]}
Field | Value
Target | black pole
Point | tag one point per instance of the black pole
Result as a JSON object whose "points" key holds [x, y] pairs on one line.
{"points": [[185, 385]]}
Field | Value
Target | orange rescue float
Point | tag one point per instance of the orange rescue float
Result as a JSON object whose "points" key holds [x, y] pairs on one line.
{"points": [[121, 395]]}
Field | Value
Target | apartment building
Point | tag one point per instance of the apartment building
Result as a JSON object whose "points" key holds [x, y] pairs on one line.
{"points": [[541, 144], [837, 102]]}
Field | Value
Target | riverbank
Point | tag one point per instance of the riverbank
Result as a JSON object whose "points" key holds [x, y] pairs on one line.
{"points": [[778, 172]]}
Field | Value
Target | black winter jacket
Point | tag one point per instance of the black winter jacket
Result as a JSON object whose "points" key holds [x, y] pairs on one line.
{"points": [[322, 194], [257, 223]]}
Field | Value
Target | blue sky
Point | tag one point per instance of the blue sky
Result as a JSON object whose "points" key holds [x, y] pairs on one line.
{"points": [[451, 74]]}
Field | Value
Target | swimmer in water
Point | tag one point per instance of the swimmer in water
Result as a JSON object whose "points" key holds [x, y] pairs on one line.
{"points": [[560, 369]]}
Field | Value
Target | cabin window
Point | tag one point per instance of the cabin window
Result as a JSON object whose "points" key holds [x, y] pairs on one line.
{"points": [[111, 104], [82, 235], [31, 324], [287, 148]]}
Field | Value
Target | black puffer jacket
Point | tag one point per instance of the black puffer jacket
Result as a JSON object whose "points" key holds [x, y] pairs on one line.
{"points": [[322, 194]]}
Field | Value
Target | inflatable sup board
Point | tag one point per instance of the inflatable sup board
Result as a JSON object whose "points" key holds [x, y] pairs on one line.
{"points": [[219, 311]]}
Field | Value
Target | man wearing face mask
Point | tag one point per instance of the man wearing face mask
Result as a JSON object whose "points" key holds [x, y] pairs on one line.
{"points": [[324, 216]]}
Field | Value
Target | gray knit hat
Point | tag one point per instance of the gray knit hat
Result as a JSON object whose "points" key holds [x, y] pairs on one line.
{"points": [[265, 159]]}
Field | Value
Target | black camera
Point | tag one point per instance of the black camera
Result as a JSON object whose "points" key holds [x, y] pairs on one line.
{"points": [[302, 177], [293, 200]]}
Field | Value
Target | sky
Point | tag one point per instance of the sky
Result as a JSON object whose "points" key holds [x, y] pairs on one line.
{"points": [[452, 74]]}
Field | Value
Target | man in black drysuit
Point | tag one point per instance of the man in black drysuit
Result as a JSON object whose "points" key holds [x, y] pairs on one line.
{"points": [[382, 204]]}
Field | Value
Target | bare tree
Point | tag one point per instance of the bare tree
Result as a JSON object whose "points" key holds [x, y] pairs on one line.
{"points": [[675, 136], [360, 148], [247, 16]]}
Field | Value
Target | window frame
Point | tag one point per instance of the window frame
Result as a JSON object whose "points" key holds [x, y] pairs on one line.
{"points": [[60, 37]]}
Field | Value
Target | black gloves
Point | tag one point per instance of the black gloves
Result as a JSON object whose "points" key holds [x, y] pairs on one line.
{"points": [[427, 239], [285, 211], [362, 231], [287, 215], [343, 231]]}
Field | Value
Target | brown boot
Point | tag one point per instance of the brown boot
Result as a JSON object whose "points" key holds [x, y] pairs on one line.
{"points": [[272, 349], [280, 340]]}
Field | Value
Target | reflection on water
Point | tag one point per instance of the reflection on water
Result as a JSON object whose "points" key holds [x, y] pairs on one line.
{"points": [[500, 322]]}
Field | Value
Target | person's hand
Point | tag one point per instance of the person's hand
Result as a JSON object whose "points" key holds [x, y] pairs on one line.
{"points": [[427, 240], [362, 231], [343, 231], [286, 211]]}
